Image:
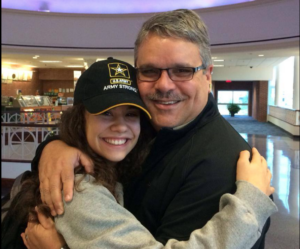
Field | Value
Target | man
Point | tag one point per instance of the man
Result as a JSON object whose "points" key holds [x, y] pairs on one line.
{"points": [[192, 161]]}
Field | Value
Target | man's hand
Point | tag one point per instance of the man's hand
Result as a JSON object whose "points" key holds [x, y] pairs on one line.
{"points": [[56, 171], [43, 235], [255, 172]]}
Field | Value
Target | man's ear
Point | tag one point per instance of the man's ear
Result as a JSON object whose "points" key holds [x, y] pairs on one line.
{"points": [[208, 73]]}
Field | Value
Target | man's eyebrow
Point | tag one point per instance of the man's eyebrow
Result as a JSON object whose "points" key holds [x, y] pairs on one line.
{"points": [[148, 65], [174, 65]]}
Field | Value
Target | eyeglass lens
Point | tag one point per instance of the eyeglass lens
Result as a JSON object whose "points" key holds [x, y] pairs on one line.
{"points": [[175, 74]]}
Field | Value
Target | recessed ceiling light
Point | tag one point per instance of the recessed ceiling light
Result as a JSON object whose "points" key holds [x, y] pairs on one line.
{"points": [[50, 61], [218, 65], [214, 58], [261, 55], [100, 59], [218, 60]]}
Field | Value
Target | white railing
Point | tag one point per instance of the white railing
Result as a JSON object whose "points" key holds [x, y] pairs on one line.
{"points": [[31, 117], [21, 133]]}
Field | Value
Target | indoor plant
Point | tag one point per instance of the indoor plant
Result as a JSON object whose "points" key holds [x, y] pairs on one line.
{"points": [[233, 109]]}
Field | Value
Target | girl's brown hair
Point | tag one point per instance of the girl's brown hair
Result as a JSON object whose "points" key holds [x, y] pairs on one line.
{"points": [[72, 132]]}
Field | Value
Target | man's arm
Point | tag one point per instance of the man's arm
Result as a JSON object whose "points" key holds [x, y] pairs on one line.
{"points": [[55, 161], [199, 196]]}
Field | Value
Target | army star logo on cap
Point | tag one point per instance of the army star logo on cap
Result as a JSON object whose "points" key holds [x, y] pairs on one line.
{"points": [[115, 69], [119, 73]]}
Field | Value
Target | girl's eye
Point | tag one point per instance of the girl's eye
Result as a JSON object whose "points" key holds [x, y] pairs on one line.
{"points": [[133, 114], [107, 113]]}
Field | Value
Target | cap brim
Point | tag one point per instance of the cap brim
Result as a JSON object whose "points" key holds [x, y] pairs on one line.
{"points": [[100, 104]]}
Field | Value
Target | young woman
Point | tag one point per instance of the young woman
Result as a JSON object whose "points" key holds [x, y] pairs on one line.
{"points": [[110, 124]]}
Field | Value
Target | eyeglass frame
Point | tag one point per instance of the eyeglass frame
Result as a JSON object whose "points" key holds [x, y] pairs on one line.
{"points": [[195, 69]]}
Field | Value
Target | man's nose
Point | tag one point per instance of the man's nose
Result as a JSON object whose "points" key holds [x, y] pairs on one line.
{"points": [[164, 83]]}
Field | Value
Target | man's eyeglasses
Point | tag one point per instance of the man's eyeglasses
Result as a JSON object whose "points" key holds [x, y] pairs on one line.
{"points": [[175, 74]]}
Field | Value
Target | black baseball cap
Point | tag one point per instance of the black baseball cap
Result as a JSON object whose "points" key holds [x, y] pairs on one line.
{"points": [[107, 84]]}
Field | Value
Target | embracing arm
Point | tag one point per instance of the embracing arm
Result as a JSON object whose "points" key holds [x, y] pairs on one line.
{"points": [[104, 223], [237, 225], [55, 161]]}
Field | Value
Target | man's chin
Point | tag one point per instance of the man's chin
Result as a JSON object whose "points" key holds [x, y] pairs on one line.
{"points": [[159, 123]]}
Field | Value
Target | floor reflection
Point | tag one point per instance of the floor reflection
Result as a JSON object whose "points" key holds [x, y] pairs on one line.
{"points": [[282, 155]]}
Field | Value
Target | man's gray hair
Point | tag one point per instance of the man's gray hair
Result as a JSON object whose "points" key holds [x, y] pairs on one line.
{"points": [[183, 24]]}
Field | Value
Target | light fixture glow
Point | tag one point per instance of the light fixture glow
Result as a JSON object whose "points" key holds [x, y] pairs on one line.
{"points": [[218, 65], [10, 63], [50, 61], [219, 60], [261, 55], [75, 66], [16, 74]]}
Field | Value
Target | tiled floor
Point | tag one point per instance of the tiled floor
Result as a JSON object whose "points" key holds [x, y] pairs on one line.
{"points": [[282, 155], [281, 151]]}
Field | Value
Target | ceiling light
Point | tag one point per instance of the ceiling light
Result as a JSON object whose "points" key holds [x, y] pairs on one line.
{"points": [[214, 58], [74, 66], [12, 63], [218, 60], [218, 65], [100, 59], [261, 55], [50, 61]]}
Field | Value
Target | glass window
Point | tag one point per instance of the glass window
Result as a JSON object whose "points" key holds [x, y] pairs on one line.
{"points": [[285, 81], [237, 97], [225, 97], [240, 97]]}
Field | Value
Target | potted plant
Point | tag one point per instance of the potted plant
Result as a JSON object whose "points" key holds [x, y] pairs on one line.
{"points": [[233, 109]]}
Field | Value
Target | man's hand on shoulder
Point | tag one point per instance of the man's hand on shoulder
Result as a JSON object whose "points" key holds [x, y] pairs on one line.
{"points": [[56, 172]]}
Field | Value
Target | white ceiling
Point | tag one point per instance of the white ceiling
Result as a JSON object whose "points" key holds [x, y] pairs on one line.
{"points": [[233, 56]]}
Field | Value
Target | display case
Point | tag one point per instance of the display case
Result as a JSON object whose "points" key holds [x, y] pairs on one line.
{"points": [[29, 101], [43, 100], [34, 101]]}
